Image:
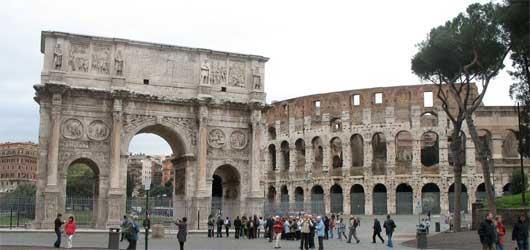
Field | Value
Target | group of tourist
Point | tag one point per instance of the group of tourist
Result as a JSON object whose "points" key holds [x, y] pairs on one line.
{"points": [[492, 231], [69, 230]]}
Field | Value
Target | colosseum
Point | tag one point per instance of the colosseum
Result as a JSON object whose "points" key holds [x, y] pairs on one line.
{"points": [[377, 151]]}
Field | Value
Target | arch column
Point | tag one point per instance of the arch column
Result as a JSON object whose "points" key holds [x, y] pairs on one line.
{"points": [[309, 158], [368, 199], [391, 194], [346, 158], [346, 205]]}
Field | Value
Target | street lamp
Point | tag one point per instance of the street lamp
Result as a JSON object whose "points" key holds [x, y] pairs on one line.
{"points": [[146, 181]]}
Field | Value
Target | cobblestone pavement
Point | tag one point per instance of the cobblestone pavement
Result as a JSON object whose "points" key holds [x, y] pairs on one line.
{"points": [[84, 240]]}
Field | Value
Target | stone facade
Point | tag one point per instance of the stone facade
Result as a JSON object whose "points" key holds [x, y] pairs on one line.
{"points": [[380, 150], [97, 93], [18, 164]]}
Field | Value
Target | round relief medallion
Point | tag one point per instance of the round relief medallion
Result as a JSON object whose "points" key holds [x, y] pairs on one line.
{"points": [[72, 129], [216, 138], [238, 139], [98, 130]]}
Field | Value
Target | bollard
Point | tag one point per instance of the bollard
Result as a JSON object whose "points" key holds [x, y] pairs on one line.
{"points": [[114, 238], [158, 231], [437, 226], [421, 239]]}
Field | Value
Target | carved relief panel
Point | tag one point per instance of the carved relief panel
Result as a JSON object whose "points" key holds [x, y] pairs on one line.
{"points": [[78, 57], [218, 71], [101, 60], [216, 138], [237, 74], [72, 129], [238, 139], [98, 130]]}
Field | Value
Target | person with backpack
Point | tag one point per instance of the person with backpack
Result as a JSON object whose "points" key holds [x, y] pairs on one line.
{"points": [[69, 230], [354, 223], [341, 228], [320, 228], [182, 234], [124, 224], [132, 236], [228, 224], [389, 226]]}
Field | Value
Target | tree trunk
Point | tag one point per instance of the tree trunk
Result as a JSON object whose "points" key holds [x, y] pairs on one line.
{"points": [[486, 163], [457, 152]]}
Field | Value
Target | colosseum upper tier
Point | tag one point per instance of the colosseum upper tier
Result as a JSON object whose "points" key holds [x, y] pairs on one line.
{"points": [[377, 151]]}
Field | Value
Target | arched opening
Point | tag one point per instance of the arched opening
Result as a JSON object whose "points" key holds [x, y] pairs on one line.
{"points": [[284, 200], [428, 120], [270, 205], [430, 198], [484, 137], [272, 157], [463, 198], [284, 147], [272, 133], [357, 199], [404, 199], [82, 191], [357, 150], [318, 155], [379, 154], [463, 147], [226, 191], [336, 125], [480, 194], [379, 201], [403, 152], [300, 155], [429, 149], [299, 199], [510, 145], [317, 200], [507, 189], [336, 199]]}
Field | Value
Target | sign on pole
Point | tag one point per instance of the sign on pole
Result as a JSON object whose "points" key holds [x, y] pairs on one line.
{"points": [[146, 181]]}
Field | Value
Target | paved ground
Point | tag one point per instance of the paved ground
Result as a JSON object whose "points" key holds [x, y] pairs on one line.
{"points": [[458, 241], [84, 240]]}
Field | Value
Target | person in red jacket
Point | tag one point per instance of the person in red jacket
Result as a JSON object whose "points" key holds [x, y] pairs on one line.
{"points": [[278, 229], [501, 231], [69, 230]]}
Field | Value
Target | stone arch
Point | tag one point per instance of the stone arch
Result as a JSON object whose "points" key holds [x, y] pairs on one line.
{"points": [[464, 198], [428, 119], [403, 152], [510, 145], [480, 193], [379, 200], [336, 156], [272, 133], [285, 159], [357, 150], [272, 157], [336, 199], [299, 198], [507, 189], [379, 154], [450, 153], [270, 204], [357, 199], [430, 198], [318, 153], [430, 153], [226, 190], [317, 200], [485, 138], [284, 199], [404, 199], [300, 154], [173, 135]]}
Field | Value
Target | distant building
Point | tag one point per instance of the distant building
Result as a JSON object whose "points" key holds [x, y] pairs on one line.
{"points": [[18, 164], [167, 170]]}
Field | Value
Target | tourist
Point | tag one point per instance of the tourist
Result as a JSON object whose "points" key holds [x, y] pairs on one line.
{"points": [[132, 236], [326, 227], [341, 228], [261, 226], [286, 229], [244, 224], [354, 223], [228, 224], [377, 231], [69, 230], [250, 227], [298, 233], [220, 224], [305, 230], [332, 225], [311, 232], [520, 233], [58, 224], [486, 232], [211, 225], [237, 226], [389, 226], [182, 233], [256, 226], [124, 224], [278, 228], [270, 225], [501, 231], [320, 228]]}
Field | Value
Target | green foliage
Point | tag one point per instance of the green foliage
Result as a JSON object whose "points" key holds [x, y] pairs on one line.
{"points": [[519, 182], [80, 181], [511, 201], [23, 190], [130, 185], [161, 190]]}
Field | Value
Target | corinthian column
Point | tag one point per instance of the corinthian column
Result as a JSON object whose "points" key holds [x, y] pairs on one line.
{"points": [[116, 144], [203, 149], [53, 144], [256, 143]]}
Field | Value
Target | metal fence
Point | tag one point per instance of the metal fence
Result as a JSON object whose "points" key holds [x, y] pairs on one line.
{"points": [[17, 211]]}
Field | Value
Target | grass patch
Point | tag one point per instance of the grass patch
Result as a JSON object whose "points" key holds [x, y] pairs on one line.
{"points": [[512, 201]]}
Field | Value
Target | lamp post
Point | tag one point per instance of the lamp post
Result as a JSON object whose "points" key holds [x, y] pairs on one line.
{"points": [[147, 186]]}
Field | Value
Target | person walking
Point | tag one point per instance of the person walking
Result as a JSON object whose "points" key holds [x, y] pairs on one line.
{"points": [[58, 224], [211, 225], [520, 233], [244, 225], [354, 223], [228, 224], [377, 231], [278, 228], [237, 226], [133, 235], [312, 232], [124, 225], [341, 228], [486, 232], [320, 228], [501, 231], [305, 230], [182, 233], [326, 227], [261, 226], [332, 225], [270, 225], [69, 230], [286, 229], [389, 226], [220, 224]]}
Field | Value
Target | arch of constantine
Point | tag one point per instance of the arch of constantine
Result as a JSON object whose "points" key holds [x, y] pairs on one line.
{"points": [[371, 151]]}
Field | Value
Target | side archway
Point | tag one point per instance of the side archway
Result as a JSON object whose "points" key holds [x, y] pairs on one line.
{"points": [[404, 199], [357, 199], [226, 190], [464, 198], [430, 199], [379, 201], [317, 200]]}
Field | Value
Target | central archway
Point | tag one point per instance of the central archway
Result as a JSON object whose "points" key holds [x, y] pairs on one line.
{"points": [[226, 191], [82, 192]]}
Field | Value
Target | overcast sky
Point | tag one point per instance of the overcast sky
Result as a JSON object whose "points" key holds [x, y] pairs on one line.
{"points": [[313, 47]]}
